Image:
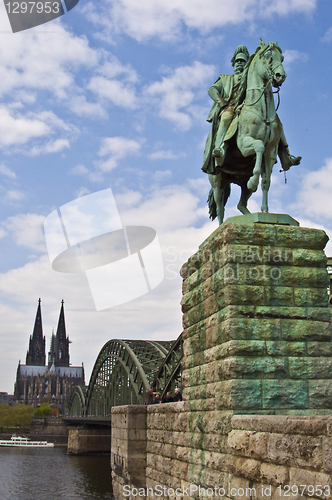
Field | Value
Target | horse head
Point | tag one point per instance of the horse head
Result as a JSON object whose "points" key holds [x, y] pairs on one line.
{"points": [[270, 55]]}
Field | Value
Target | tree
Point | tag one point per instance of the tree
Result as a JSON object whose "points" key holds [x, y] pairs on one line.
{"points": [[43, 410], [15, 417]]}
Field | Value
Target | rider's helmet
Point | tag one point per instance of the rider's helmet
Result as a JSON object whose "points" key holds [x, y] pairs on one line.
{"points": [[241, 52]]}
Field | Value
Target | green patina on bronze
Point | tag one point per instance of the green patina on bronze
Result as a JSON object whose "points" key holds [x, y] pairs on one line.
{"points": [[246, 133], [265, 218]]}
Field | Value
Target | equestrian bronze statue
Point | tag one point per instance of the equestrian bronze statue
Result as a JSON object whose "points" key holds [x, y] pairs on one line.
{"points": [[246, 134]]}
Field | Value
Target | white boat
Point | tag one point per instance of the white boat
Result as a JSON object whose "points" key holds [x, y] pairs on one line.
{"points": [[24, 442]]}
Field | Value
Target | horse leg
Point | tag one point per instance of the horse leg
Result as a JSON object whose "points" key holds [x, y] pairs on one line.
{"points": [[245, 195], [252, 146], [218, 195], [266, 181]]}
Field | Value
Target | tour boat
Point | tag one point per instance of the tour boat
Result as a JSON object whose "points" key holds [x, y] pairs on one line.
{"points": [[22, 441]]}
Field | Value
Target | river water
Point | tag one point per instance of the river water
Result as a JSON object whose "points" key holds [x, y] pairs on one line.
{"points": [[31, 474]]}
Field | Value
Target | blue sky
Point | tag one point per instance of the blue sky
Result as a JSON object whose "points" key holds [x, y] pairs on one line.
{"points": [[114, 95]]}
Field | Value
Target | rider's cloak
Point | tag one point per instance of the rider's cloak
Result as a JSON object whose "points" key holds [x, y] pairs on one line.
{"points": [[224, 86]]}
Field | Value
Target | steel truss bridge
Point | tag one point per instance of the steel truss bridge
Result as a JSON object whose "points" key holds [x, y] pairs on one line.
{"points": [[124, 371]]}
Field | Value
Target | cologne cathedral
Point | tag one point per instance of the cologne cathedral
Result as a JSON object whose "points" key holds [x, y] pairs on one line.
{"points": [[37, 382]]}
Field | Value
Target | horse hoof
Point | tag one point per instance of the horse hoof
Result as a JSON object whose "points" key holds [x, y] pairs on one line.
{"points": [[243, 209], [251, 186]]}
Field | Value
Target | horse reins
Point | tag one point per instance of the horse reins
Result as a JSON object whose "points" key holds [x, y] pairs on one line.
{"points": [[264, 89], [269, 81]]}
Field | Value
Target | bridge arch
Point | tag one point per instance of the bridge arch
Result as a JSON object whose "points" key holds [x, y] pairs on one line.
{"points": [[168, 376], [77, 401], [123, 372]]}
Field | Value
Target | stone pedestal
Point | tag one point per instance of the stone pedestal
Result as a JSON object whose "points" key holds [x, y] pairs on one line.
{"points": [[257, 326], [128, 450]]}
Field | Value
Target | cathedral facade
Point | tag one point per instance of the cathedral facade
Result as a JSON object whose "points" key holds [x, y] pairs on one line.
{"points": [[37, 382]]}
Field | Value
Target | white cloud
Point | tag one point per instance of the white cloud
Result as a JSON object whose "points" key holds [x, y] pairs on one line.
{"points": [[115, 91], [127, 199], [328, 36], [162, 155], [53, 120], [50, 147], [83, 171], [174, 94], [82, 191], [114, 68], [51, 62], [146, 19], [284, 7], [294, 56], [165, 209], [7, 172], [18, 129], [14, 195], [116, 148], [43, 61], [199, 185], [314, 197], [79, 170], [26, 230], [162, 175], [81, 107], [115, 82]]}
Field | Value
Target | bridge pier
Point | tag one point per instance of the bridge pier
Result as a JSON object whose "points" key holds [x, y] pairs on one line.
{"points": [[128, 452], [89, 441]]}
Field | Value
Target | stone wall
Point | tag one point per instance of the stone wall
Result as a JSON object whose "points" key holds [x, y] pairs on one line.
{"points": [[257, 377], [89, 441], [48, 425], [128, 448], [51, 429], [236, 456], [283, 450], [257, 327]]}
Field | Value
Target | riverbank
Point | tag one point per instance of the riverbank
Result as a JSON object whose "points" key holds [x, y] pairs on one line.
{"points": [[50, 429]]}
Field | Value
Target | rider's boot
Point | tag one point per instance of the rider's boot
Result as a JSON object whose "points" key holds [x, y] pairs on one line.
{"points": [[219, 154], [220, 149], [287, 160]]}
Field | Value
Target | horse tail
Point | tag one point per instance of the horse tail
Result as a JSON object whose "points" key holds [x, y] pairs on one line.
{"points": [[227, 192], [212, 205]]}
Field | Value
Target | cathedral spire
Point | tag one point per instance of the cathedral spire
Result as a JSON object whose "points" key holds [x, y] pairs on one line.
{"points": [[36, 352], [61, 330], [61, 341], [51, 352]]}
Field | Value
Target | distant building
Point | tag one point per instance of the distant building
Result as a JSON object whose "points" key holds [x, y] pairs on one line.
{"points": [[6, 398], [54, 383]]}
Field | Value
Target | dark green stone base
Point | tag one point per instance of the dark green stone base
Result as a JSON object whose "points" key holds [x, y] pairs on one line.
{"points": [[257, 326]]}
